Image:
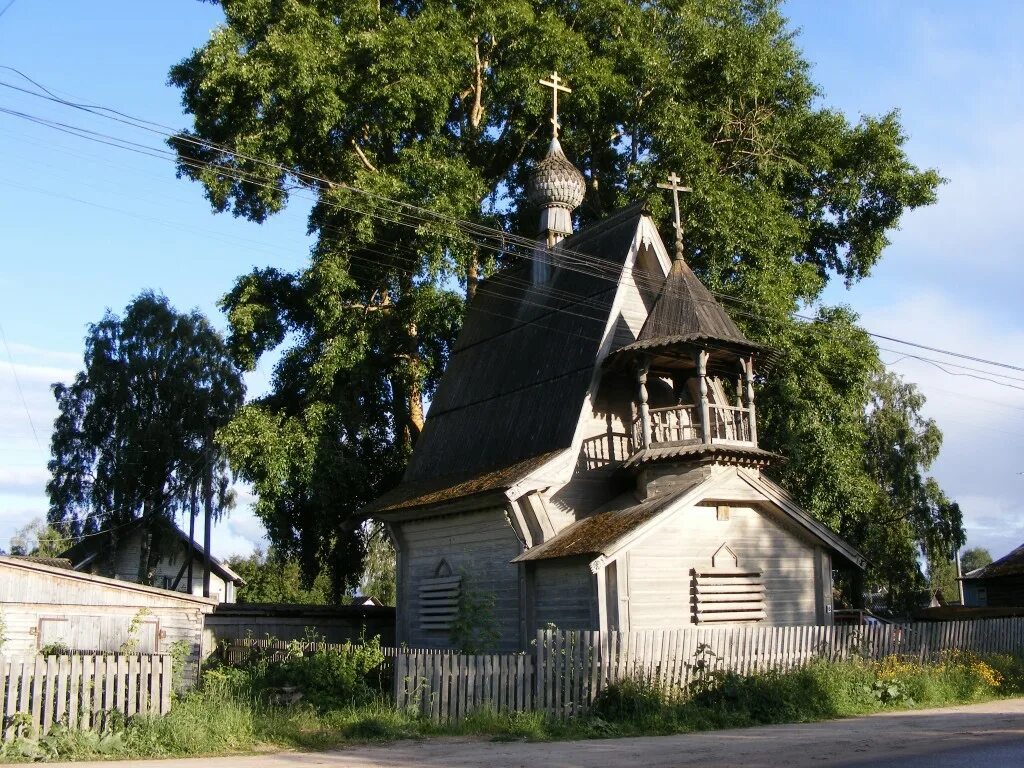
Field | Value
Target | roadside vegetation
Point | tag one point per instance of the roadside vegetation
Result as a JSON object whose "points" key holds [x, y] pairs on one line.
{"points": [[254, 707]]}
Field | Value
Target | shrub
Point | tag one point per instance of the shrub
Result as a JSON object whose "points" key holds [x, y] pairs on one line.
{"points": [[628, 700]]}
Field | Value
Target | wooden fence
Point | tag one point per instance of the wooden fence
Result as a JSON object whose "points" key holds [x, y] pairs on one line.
{"points": [[278, 650], [566, 670], [80, 691], [449, 686]]}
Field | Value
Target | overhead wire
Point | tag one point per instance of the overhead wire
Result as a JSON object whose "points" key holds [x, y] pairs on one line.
{"points": [[576, 261]]}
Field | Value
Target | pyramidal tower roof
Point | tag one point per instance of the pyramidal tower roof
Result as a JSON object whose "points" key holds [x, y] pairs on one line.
{"points": [[686, 311]]}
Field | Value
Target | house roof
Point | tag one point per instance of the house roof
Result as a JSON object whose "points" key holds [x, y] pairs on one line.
{"points": [[205, 603], [420, 493], [1008, 565], [53, 562], [519, 372], [88, 549]]}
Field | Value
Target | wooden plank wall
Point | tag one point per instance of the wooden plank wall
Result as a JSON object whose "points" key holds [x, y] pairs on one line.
{"points": [[568, 669], [80, 691]]}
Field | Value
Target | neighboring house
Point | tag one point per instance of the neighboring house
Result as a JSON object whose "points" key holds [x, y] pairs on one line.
{"points": [[91, 556], [590, 458], [998, 584], [43, 605]]}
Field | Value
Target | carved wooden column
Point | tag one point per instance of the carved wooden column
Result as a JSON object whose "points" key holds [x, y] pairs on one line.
{"points": [[705, 411], [645, 411], [748, 375]]}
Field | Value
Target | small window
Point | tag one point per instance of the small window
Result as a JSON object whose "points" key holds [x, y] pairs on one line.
{"points": [[439, 599], [727, 593]]}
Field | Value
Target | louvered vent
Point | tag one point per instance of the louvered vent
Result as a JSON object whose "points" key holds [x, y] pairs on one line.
{"points": [[439, 602], [733, 595]]}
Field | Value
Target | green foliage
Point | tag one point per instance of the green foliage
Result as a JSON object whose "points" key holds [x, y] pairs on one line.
{"points": [[38, 540], [3, 629], [272, 578], [942, 578], [436, 104], [180, 651], [134, 435], [328, 679], [974, 558], [56, 648], [379, 567], [131, 642], [628, 699], [475, 627]]}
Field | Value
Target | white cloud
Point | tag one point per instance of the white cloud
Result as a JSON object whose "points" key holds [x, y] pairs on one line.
{"points": [[982, 422], [23, 480]]}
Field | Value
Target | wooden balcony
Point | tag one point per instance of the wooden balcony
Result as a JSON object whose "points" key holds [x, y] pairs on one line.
{"points": [[680, 425]]}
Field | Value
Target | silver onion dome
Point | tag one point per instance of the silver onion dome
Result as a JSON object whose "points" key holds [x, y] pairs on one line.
{"points": [[555, 181]]}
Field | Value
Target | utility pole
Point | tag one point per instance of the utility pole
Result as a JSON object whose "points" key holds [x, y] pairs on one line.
{"points": [[959, 577], [192, 538], [208, 513]]}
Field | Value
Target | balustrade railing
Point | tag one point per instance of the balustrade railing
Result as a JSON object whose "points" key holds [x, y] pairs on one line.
{"points": [[681, 424]]}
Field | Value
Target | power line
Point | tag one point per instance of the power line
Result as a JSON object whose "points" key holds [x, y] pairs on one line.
{"points": [[17, 384], [576, 260]]}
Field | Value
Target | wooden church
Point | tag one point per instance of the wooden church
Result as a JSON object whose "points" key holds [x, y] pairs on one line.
{"points": [[590, 459]]}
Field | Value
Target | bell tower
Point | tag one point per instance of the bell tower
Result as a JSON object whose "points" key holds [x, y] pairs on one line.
{"points": [[694, 373]]}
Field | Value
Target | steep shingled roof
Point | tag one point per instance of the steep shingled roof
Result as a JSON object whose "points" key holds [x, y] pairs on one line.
{"points": [[521, 368]]}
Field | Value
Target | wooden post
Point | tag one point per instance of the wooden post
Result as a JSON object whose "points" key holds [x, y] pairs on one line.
{"points": [[705, 411], [748, 375], [645, 412]]}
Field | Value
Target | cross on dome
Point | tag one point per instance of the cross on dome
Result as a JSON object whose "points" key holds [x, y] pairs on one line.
{"points": [[555, 84], [676, 187]]}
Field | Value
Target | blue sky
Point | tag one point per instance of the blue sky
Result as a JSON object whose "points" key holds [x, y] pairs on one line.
{"points": [[84, 227]]}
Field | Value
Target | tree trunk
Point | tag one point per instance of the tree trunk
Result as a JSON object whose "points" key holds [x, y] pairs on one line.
{"points": [[472, 275], [415, 391], [145, 543], [411, 375]]}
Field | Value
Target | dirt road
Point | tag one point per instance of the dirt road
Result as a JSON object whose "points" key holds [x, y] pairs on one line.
{"points": [[989, 735]]}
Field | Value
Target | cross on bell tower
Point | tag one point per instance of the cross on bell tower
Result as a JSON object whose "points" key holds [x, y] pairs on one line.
{"points": [[555, 84], [676, 187]]}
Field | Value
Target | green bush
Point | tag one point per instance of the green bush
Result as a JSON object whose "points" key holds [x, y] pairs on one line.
{"points": [[628, 700], [327, 679]]}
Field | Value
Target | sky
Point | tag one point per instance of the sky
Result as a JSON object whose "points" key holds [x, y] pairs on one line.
{"points": [[85, 227]]}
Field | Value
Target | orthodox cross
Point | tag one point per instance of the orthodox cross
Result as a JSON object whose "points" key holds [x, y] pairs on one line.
{"points": [[555, 84], [676, 187]]}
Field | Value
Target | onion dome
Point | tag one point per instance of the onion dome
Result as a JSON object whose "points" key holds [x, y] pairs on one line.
{"points": [[556, 182]]}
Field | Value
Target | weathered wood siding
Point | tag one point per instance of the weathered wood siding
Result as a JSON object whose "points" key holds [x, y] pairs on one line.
{"points": [[126, 566], [90, 613], [477, 545], [564, 594], [659, 583]]}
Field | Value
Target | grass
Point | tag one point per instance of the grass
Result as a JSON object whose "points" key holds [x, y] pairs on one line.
{"points": [[230, 715]]}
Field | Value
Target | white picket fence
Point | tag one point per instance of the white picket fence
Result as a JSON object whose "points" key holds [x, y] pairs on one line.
{"points": [[80, 691], [566, 670]]}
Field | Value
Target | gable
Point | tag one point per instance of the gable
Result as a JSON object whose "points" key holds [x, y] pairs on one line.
{"points": [[622, 526]]}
